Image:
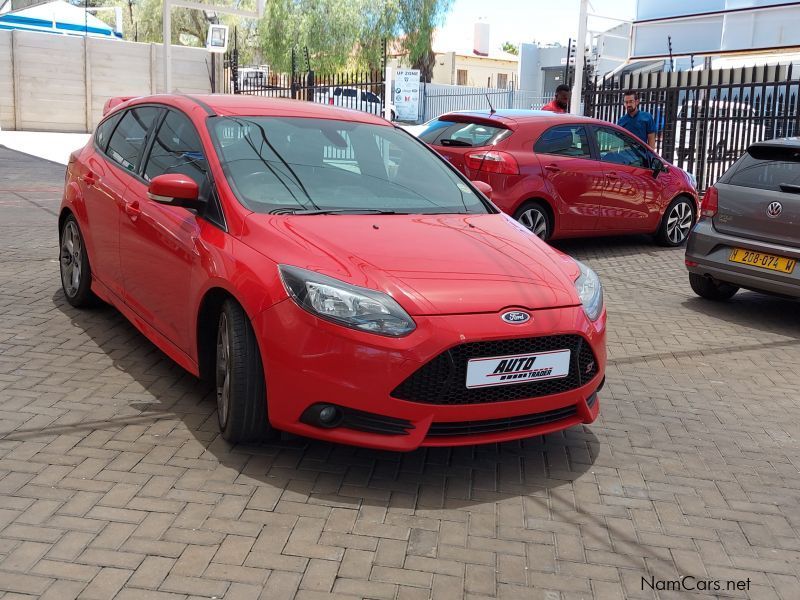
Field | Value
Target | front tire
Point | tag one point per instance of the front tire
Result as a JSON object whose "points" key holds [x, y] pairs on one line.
{"points": [[240, 385], [76, 275], [676, 223], [535, 217], [707, 288]]}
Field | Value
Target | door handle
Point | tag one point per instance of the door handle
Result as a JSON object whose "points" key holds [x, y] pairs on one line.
{"points": [[552, 168], [89, 178], [133, 210]]}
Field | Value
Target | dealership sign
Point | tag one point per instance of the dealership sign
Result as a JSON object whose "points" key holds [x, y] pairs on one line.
{"points": [[406, 94]]}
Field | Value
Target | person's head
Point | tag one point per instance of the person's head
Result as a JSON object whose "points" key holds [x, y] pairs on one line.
{"points": [[562, 96], [631, 100]]}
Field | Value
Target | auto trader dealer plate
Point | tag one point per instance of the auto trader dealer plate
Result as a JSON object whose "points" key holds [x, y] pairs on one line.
{"points": [[520, 368]]}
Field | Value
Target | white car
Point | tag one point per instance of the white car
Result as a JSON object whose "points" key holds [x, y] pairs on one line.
{"points": [[355, 98]]}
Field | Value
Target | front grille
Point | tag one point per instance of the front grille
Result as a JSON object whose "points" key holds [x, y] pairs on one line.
{"points": [[443, 379]]}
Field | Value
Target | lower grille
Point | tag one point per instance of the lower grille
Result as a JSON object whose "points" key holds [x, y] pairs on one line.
{"points": [[443, 379], [499, 425]]}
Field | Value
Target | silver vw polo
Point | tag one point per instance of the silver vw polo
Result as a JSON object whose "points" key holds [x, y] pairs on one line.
{"points": [[748, 235]]}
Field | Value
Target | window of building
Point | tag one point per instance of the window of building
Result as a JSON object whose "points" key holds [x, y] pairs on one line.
{"points": [[461, 77]]}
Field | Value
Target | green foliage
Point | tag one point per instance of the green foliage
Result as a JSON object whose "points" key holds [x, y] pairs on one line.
{"points": [[511, 48], [339, 34]]}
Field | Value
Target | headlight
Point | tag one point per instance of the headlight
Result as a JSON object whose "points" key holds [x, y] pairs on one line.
{"points": [[590, 291], [345, 304]]}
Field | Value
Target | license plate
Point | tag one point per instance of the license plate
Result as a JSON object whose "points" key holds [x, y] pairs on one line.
{"points": [[519, 368], [762, 261]]}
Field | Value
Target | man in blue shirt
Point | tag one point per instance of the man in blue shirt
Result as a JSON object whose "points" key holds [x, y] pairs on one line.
{"points": [[640, 123]]}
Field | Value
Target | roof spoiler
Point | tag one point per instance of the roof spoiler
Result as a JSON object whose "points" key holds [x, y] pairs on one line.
{"points": [[114, 102]]}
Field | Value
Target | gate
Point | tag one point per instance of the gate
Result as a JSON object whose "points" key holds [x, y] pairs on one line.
{"points": [[705, 119]]}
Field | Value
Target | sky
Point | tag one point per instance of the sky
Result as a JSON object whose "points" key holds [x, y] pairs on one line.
{"points": [[517, 21]]}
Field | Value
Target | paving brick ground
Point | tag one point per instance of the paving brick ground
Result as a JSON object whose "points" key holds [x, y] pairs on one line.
{"points": [[115, 484]]}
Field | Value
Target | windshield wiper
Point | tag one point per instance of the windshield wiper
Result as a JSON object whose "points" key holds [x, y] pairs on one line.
{"points": [[451, 142], [348, 211]]}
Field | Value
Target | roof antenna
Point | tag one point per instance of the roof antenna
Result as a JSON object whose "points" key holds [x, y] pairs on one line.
{"points": [[491, 108]]}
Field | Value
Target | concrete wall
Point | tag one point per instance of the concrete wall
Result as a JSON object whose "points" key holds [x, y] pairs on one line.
{"points": [[6, 82], [60, 83]]}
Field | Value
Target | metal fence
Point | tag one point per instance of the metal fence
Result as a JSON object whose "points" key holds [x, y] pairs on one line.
{"points": [[438, 99], [706, 119]]}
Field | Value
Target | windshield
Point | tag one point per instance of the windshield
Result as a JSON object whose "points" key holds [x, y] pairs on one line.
{"points": [[304, 165]]}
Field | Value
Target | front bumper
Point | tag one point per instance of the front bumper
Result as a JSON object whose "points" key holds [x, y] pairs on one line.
{"points": [[710, 249], [308, 361]]}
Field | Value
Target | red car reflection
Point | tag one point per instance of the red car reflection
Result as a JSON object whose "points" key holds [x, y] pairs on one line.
{"points": [[330, 274]]}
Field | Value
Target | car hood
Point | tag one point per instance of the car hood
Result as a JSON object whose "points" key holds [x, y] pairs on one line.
{"points": [[430, 264]]}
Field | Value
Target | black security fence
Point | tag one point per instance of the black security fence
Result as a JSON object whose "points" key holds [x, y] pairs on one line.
{"points": [[359, 90], [706, 119]]}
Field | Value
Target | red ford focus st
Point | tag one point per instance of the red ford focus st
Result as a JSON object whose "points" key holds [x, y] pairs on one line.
{"points": [[566, 176], [332, 276]]}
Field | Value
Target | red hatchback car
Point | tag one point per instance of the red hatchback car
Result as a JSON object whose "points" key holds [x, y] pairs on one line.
{"points": [[566, 176], [332, 275]]}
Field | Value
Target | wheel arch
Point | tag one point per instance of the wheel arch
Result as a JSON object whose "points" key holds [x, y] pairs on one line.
{"points": [[548, 206], [206, 327]]}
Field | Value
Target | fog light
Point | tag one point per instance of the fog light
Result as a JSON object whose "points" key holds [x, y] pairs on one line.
{"points": [[328, 415]]}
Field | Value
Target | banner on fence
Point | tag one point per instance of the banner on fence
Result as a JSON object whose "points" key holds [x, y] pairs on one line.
{"points": [[406, 94]]}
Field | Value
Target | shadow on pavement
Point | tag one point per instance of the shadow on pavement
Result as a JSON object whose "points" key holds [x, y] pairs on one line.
{"points": [[328, 473]]}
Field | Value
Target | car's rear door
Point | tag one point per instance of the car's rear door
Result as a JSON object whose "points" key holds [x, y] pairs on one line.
{"points": [[631, 199], [107, 178], [572, 174], [759, 197], [158, 241]]}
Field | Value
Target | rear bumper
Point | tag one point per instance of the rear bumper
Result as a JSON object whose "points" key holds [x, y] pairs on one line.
{"points": [[709, 249]]}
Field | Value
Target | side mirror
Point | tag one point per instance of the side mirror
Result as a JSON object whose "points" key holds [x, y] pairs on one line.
{"points": [[176, 190], [484, 188], [657, 166]]}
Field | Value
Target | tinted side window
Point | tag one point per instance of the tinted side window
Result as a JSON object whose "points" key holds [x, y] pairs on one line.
{"points": [[128, 139], [104, 131], [564, 140], [620, 149], [766, 168], [176, 149], [350, 93]]}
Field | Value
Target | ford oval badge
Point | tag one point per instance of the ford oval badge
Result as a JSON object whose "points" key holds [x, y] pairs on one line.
{"points": [[515, 317]]}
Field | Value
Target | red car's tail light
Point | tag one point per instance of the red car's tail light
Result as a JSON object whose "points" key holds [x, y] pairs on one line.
{"points": [[492, 161], [710, 202]]}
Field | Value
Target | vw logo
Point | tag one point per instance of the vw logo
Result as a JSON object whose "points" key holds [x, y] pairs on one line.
{"points": [[774, 209], [515, 317]]}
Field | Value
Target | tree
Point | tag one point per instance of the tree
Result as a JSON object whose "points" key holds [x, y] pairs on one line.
{"points": [[418, 19], [511, 48]]}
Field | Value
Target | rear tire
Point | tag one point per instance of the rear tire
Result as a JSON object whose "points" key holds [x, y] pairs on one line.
{"points": [[240, 385], [536, 218], [677, 222], [73, 260], [707, 288]]}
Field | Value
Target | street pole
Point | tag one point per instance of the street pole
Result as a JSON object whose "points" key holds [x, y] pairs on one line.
{"points": [[167, 14], [191, 4], [580, 51]]}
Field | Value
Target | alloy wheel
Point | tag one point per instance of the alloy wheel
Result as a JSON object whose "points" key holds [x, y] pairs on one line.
{"points": [[223, 370], [70, 259], [679, 221], [536, 221]]}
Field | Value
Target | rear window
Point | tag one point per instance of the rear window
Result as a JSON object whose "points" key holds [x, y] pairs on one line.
{"points": [[766, 168], [450, 133]]}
